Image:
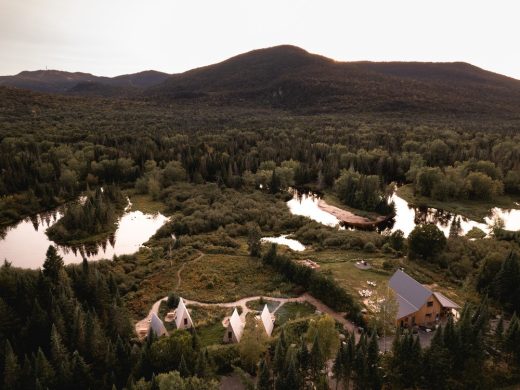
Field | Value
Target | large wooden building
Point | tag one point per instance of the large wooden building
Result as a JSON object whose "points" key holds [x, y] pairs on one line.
{"points": [[419, 305]]}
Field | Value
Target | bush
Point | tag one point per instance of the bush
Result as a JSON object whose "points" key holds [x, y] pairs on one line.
{"points": [[369, 247]]}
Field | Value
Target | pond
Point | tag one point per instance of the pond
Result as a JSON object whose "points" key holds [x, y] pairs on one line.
{"points": [[25, 243], [406, 217], [295, 245]]}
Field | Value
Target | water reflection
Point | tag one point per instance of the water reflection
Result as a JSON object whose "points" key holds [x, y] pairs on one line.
{"points": [[406, 216], [25, 243], [295, 245], [306, 204]]}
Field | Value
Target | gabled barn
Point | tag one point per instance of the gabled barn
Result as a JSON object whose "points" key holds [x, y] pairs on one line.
{"points": [[182, 316], [419, 305], [267, 321], [234, 329], [157, 326]]}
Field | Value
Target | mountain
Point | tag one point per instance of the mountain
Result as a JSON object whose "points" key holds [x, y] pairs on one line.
{"points": [[54, 81], [291, 78]]}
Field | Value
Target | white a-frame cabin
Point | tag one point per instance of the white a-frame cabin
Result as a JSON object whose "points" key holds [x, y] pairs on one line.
{"points": [[234, 329], [267, 321], [183, 318], [157, 326]]}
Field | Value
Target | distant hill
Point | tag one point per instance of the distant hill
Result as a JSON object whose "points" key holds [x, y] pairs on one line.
{"points": [[54, 81], [291, 78]]}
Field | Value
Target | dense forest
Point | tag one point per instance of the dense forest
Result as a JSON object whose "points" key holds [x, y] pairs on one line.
{"points": [[221, 165]]}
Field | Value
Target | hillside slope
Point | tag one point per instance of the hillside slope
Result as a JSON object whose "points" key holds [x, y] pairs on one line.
{"points": [[289, 77]]}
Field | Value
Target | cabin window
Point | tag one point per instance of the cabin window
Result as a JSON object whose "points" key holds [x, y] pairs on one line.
{"points": [[428, 314], [429, 304], [229, 335], [185, 321]]}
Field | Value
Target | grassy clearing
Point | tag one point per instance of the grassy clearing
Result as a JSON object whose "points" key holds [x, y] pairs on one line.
{"points": [[145, 203], [227, 278], [258, 305], [473, 209], [146, 277], [292, 310]]}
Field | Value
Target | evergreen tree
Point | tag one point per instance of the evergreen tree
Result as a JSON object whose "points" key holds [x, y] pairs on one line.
{"points": [[12, 369], [183, 367], [53, 264], [264, 376], [43, 370]]}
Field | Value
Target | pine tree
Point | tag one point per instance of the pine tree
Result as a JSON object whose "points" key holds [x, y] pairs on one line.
{"points": [[43, 370], [60, 359], [499, 331], [12, 369], [183, 368], [80, 372], [337, 368], [279, 355], [201, 366], [374, 375], [264, 377], [53, 264], [317, 359]]}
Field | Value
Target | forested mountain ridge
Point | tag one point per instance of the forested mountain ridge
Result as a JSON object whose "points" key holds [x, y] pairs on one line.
{"points": [[55, 81], [289, 77]]}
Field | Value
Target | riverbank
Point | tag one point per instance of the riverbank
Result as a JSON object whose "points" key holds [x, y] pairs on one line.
{"points": [[472, 209], [349, 218]]}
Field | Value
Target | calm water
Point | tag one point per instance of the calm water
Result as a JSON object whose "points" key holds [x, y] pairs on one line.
{"points": [[25, 243], [295, 245], [407, 216]]}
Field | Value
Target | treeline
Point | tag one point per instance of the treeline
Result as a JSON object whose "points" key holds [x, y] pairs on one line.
{"points": [[363, 192], [96, 216], [318, 284], [469, 180], [72, 145], [467, 354], [63, 328]]}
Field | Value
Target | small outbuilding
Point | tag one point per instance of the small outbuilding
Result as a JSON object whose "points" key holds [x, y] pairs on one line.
{"points": [[267, 320], [234, 329], [182, 316], [157, 326]]}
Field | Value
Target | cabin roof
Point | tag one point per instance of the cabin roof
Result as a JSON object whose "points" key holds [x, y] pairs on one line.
{"points": [[267, 320], [182, 311], [445, 302], [157, 325], [236, 324]]}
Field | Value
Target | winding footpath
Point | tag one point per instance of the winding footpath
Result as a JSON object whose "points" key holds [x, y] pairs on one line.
{"points": [[143, 325]]}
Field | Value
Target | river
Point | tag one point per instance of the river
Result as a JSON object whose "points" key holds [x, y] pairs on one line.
{"points": [[25, 243]]}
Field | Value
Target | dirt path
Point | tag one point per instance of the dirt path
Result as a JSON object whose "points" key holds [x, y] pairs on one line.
{"points": [[143, 325]]}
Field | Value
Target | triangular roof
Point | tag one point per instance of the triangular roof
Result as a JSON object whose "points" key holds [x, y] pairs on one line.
{"points": [[236, 325], [410, 294], [445, 302], [182, 312], [157, 326], [267, 320]]}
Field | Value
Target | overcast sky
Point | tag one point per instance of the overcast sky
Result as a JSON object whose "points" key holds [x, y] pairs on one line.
{"points": [[112, 37]]}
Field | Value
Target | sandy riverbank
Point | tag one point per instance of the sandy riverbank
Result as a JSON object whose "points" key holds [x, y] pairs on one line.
{"points": [[349, 217]]}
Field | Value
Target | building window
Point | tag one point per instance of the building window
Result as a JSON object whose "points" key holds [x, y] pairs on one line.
{"points": [[428, 315], [185, 321], [229, 335], [429, 304]]}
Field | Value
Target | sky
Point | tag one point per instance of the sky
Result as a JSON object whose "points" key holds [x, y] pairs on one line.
{"points": [[113, 37]]}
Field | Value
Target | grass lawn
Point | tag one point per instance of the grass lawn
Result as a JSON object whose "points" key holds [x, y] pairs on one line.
{"points": [[341, 264], [145, 203], [227, 278], [292, 310], [472, 209], [257, 305]]}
